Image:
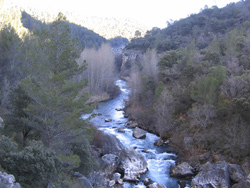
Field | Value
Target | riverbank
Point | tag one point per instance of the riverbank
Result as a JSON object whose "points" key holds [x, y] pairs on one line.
{"points": [[204, 167]]}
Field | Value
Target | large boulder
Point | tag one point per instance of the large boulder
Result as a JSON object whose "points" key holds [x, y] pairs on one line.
{"points": [[236, 173], [212, 175], [183, 170], [132, 165], [139, 133], [111, 145], [8, 181], [109, 164]]}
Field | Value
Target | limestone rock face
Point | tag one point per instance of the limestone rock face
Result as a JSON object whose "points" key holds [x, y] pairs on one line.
{"points": [[183, 170], [212, 175], [139, 133], [8, 181], [133, 164]]}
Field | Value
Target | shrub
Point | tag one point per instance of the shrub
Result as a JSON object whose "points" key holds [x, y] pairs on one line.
{"points": [[34, 166]]}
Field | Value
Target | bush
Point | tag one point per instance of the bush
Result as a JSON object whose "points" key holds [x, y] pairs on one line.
{"points": [[34, 166]]}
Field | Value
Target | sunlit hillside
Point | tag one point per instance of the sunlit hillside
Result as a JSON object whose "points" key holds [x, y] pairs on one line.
{"points": [[108, 27]]}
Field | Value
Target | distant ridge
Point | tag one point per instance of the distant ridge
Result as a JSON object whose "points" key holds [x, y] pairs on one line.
{"points": [[107, 27]]}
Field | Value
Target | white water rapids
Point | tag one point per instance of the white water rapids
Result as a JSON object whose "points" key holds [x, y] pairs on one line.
{"points": [[158, 159]]}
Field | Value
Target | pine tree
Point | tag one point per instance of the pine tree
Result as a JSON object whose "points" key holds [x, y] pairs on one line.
{"points": [[53, 87]]}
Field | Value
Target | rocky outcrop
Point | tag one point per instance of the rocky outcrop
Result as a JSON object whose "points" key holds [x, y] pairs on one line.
{"points": [[133, 164], [139, 133], [212, 175], [109, 164], [83, 182], [111, 145], [8, 181], [183, 170], [236, 173]]}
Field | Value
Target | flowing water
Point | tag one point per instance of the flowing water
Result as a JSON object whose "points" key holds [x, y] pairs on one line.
{"points": [[158, 159]]}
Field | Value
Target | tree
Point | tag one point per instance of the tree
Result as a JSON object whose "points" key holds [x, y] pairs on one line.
{"points": [[164, 109], [100, 70], [9, 52], [52, 86], [150, 64], [137, 34], [19, 101], [202, 115]]}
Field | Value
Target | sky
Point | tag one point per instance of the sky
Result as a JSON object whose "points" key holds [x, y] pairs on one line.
{"points": [[153, 13]]}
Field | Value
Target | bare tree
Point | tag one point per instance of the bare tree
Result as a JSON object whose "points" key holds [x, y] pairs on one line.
{"points": [[150, 64], [236, 87], [164, 111], [100, 70], [202, 115]]}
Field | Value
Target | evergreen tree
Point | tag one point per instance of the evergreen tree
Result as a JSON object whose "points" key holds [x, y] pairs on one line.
{"points": [[53, 88]]}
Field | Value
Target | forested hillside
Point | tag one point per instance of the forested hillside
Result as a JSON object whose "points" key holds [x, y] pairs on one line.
{"points": [[191, 81]]}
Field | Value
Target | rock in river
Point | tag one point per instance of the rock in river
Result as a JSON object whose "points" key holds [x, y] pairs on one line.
{"points": [[108, 120], [133, 164], [183, 170], [139, 133]]}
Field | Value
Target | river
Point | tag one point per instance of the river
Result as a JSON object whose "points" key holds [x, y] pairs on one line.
{"points": [[158, 159]]}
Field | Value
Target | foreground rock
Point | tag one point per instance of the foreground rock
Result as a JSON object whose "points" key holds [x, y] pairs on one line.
{"points": [[109, 164], [133, 164], [183, 170], [139, 133], [212, 175], [8, 181]]}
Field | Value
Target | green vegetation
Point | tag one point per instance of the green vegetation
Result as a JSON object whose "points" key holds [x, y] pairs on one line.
{"points": [[202, 90], [42, 98]]}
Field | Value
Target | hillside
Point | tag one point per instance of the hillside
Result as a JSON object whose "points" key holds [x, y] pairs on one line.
{"points": [[190, 82], [107, 27], [202, 28]]}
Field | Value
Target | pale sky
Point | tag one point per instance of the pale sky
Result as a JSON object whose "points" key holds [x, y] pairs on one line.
{"points": [[154, 13]]}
